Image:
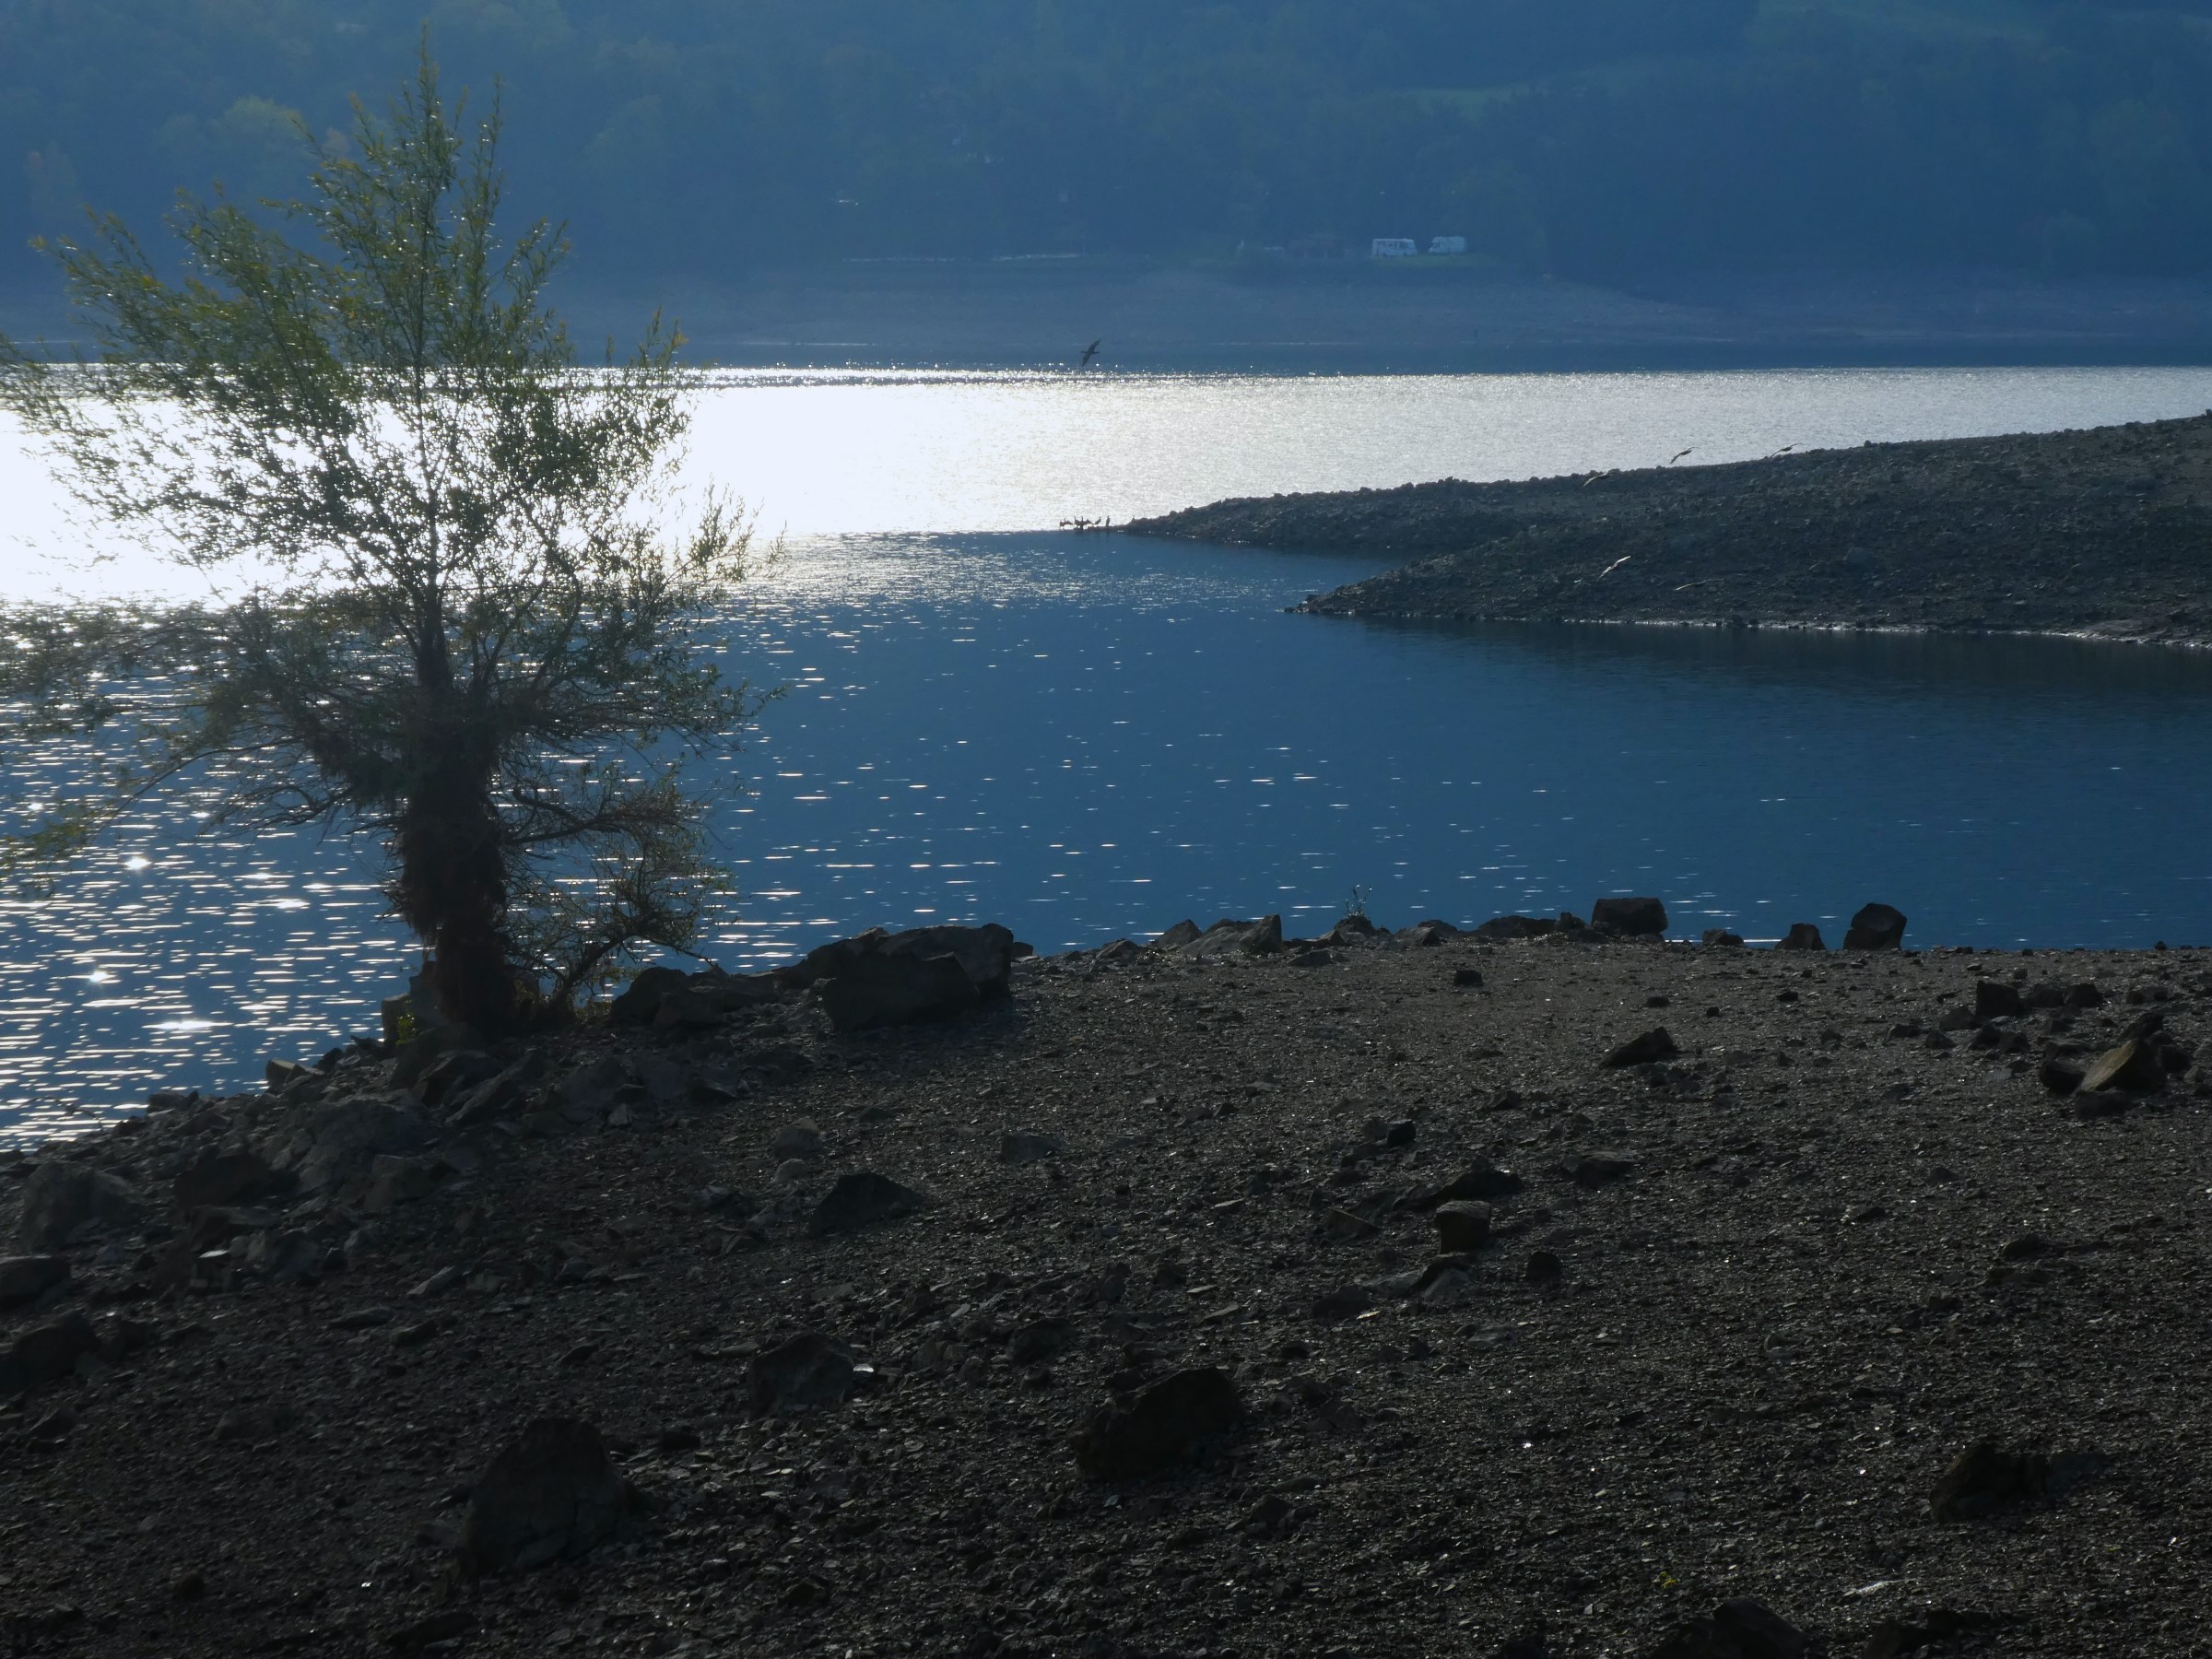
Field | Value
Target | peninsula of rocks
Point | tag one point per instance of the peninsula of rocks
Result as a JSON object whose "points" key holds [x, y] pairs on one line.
{"points": [[2104, 533], [1549, 1290]]}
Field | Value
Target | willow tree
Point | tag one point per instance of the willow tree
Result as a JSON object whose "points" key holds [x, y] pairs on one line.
{"points": [[457, 608]]}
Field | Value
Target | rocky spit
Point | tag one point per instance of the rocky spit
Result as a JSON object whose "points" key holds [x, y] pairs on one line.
{"points": [[1546, 1291], [2099, 532]]}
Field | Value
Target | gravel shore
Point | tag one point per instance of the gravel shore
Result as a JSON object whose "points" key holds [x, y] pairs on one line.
{"points": [[2101, 532], [1526, 1354]]}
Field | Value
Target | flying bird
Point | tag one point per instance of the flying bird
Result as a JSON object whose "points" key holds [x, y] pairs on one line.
{"points": [[1090, 351], [1679, 455]]}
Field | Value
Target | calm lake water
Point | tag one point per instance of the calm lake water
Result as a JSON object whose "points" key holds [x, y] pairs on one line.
{"points": [[1092, 735]]}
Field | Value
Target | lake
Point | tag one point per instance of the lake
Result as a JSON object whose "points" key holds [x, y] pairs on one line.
{"points": [[1090, 735]]}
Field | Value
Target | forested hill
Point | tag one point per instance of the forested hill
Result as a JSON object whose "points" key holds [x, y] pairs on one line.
{"points": [[1594, 138]]}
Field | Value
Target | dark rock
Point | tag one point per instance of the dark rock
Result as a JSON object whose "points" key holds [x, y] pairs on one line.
{"points": [[26, 1278], [1994, 999], [1176, 937], [417, 1057], [800, 1140], [1599, 1170], [2084, 995], [1720, 938], [1875, 927], [1399, 1133], [1427, 933], [1346, 1226], [453, 1074], [1630, 917], [61, 1197], [1463, 1225], [810, 1372], [1802, 936], [1983, 1478], [1737, 1629], [1653, 1046], [449, 1624], [341, 1139], [499, 1095], [1466, 977], [188, 1586], [861, 1198], [1027, 1147], [2059, 1076], [2132, 1066], [236, 1176], [640, 1003], [1894, 1638], [985, 955], [1170, 1424], [1354, 931], [880, 989], [360, 1319], [1263, 937], [256, 1425], [1544, 1268], [1484, 1181], [551, 1495], [1312, 959], [46, 1353], [1346, 1301], [1039, 1340], [1499, 930]]}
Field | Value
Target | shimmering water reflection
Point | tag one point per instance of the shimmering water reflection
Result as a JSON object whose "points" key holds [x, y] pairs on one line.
{"points": [[1086, 736]]}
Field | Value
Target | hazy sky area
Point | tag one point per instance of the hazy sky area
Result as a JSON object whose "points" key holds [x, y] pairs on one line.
{"points": [[1601, 140]]}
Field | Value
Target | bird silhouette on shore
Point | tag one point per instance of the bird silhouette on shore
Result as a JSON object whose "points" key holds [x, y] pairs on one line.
{"points": [[1089, 352]]}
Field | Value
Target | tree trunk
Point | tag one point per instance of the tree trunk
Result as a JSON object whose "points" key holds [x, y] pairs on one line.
{"points": [[452, 890]]}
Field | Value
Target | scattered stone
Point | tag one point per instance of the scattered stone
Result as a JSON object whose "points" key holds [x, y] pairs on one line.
{"points": [[553, 1494], [339, 1139], [499, 1095], [1652, 1047], [1632, 918], [1027, 1147], [26, 1278], [1802, 936], [862, 1199], [810, 1372], [1875, 927], [802, 1139], [1463, 1225], [360, 1319], [1994, 999], [1720, 938], [1171, 1424], [438, 1284], [1345, 1228], [1039, 1340], [1895, 1638], [1737, 1629], [2060, 1077], [61, 1198]]}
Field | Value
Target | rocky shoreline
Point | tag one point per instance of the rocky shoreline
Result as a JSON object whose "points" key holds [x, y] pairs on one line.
{"points": [[1549, 1289], [2102, 533]]}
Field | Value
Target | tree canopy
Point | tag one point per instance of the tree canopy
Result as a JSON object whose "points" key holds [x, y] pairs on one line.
{"points": [[1593, 138], [451, 608]]}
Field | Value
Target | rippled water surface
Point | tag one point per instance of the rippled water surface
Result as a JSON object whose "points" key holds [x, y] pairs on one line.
{"points": [[1091, 735]]}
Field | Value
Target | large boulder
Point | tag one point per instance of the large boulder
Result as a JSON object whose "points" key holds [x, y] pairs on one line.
{"points": [[1802, 936], [1177, 936], [61, 1197], [882, 990], [640, 999], [1875, 927], [985, 954], [862, 1199], [338, 1141], [1263, 937], [551, 1495], [234, 1175], [1634, 918], [1737, 1629]]}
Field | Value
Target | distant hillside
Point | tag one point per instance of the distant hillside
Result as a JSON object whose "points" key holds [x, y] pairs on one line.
{"points": [[1597, 139]]}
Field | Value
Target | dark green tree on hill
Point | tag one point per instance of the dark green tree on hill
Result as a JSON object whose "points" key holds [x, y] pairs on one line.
{"points": [[456, 614]]}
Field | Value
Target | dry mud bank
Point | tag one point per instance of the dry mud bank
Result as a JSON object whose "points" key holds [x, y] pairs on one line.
{"points": [[1713, 1325], [2101, 532]]}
